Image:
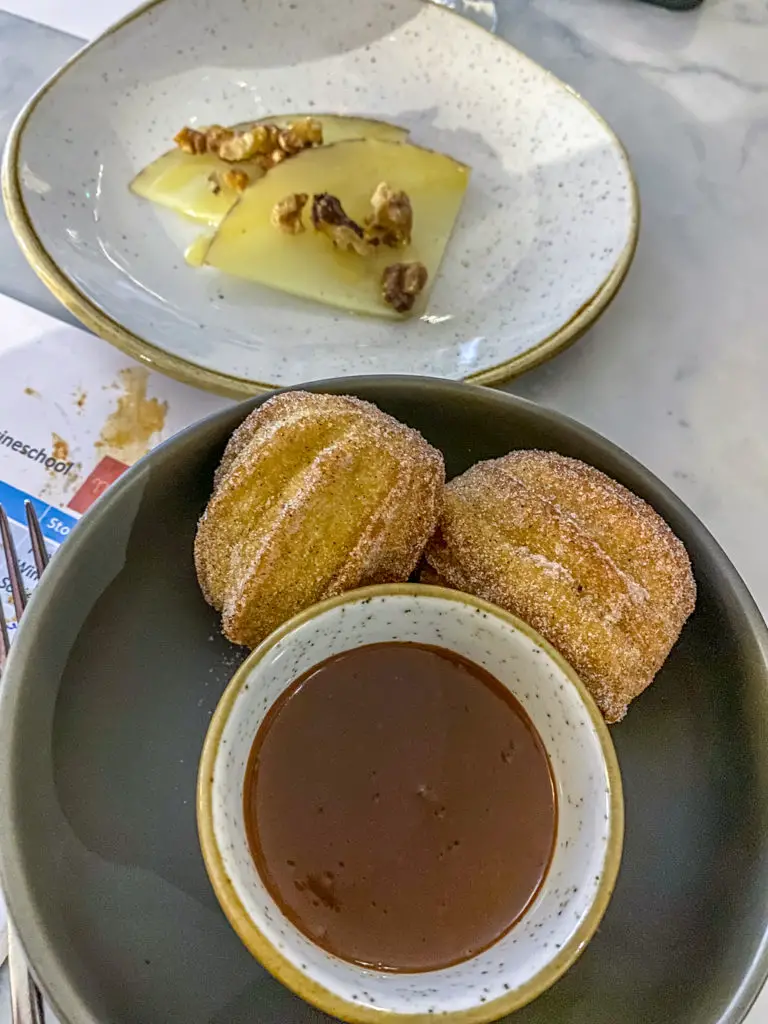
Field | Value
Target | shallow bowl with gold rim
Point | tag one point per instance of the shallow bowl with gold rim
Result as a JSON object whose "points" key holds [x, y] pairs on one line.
{"points": [[563, 914], [120, 663], [543, 241]]}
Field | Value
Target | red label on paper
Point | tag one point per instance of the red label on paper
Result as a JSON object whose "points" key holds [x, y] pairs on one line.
{"points": [[105, 473]]}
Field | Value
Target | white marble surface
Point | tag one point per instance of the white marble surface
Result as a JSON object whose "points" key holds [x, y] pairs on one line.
{"points": [[675, 371]]}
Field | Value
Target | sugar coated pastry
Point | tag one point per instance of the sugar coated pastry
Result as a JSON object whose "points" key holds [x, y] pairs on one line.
{"points": [[588, 564], [315, 495]]}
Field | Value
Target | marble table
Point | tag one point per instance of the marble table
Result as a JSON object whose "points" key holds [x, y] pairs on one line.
{"points": [[675, 371]]}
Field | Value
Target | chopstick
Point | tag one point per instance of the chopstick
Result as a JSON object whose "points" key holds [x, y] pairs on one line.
{"points": [[26, 998]]}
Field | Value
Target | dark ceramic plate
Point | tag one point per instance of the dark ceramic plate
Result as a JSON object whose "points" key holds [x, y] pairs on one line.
{"points": [[117, 669]]}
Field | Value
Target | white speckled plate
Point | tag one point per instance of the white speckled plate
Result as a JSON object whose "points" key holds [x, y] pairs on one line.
{"points": [[545, 237]]}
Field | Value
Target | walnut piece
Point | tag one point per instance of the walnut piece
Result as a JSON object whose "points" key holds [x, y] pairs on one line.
{"points": [[206, 140], [391, 222], [236, 179], [216, 136], [286, 215], [401, 283], [265, 143], [271, 159], [242, 146], [301, 134], [191, 141], [329, 217]]}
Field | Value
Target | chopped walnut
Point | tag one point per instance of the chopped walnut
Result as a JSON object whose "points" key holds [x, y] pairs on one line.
{"points": [[216, 136], [236, 179], [300, 135], [275, 157], [191, 141], [267, 137], [329, 217], [264, 143], [401, 283], [233, 178], [286, 215], [207, 140], [241, 146], [392, 219]]}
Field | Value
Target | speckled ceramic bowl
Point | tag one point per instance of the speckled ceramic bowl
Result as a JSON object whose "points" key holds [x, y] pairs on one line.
{"points": [[574, 895]]}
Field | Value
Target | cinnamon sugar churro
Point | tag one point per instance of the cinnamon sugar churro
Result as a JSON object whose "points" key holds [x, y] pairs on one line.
{"points": [[588, 564], [315, 495]]}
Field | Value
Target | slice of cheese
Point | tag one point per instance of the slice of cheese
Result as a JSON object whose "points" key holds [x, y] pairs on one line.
{"points": [[308, 264], [181, 182]]}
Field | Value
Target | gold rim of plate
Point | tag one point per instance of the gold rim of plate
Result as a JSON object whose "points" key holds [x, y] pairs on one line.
{"points": [[284, 969], [89, 314]]}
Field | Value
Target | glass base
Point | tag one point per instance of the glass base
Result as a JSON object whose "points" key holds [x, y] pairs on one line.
{"points": [[483, 12]]}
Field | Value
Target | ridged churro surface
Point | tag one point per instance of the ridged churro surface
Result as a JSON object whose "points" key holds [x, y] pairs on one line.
{"points": [[588, 564], [315, 495]]}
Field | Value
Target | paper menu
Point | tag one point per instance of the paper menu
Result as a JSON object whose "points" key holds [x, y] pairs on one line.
{"points": [[74, 414]]}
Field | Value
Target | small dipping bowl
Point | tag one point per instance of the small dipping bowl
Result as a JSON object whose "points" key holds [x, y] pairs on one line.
{"points": [[570, 903]]}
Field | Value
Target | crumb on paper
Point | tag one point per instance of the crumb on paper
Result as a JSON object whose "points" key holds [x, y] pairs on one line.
{"points": [[62, 474], [133, 427], [59, 448], [58, 487]]}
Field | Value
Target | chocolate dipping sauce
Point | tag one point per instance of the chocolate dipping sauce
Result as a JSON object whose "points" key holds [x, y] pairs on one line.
{"points": [[400, 806]]}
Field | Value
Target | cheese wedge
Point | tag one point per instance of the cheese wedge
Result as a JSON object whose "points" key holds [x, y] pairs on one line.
{"points": [[248, 245]]}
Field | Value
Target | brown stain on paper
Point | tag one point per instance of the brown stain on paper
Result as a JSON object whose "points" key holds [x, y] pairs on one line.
{"points": [[58, 485], [59, 448], [129, 431]]}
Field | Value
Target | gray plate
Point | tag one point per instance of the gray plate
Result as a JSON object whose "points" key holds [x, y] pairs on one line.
{"points": [[118, 667]]}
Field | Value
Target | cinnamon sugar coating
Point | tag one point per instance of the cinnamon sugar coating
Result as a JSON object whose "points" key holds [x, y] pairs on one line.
{"points": [[588, 564], [315, 495]]}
